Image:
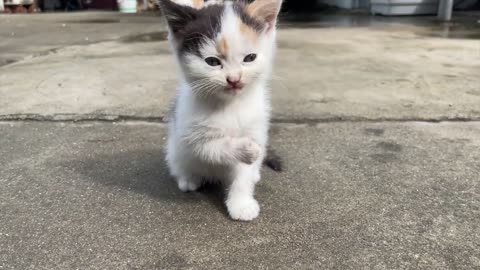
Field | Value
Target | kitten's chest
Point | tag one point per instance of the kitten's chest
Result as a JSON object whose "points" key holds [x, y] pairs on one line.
{"points": [[248, 117], [236, 122], [246, 122]]}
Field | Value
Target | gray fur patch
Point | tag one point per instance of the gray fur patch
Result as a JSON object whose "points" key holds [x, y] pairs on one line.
{"points": [[190, 26]]}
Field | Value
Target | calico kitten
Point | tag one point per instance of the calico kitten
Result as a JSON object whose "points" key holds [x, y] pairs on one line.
{"points": [[219, 128]]}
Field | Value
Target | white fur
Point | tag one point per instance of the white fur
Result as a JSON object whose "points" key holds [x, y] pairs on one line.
{"points": [[218, 134]]}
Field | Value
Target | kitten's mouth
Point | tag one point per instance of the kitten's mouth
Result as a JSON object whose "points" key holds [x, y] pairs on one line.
{"points": [[234, 88]]}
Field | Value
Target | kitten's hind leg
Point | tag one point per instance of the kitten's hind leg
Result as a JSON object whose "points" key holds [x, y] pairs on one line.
{"points": [[241, 204], [189, 183]]}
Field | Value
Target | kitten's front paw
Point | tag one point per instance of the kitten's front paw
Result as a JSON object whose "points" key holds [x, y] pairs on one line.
{"points": [[248, 150], [245, 209]]}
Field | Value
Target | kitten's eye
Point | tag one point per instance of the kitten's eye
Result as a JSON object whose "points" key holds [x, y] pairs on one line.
{"points": [[250, 58], [212, 61]]}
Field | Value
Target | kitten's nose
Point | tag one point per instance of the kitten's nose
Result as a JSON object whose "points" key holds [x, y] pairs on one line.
{"points": [[233, 81]]}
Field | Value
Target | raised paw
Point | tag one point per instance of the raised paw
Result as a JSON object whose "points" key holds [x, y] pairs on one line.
{"points": [[245, 209], [187, 185], [247, 150]]}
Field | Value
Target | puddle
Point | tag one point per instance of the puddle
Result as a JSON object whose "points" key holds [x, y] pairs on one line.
{"points": [[147, 37], [461, 27], [454, 29]]}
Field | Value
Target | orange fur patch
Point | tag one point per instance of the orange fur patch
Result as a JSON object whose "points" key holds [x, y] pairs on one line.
{"points": [[222, 47], [197, 3], [248, 32]]}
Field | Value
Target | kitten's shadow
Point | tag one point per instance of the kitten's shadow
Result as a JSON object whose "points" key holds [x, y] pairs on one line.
{"points": [[144, 172]]}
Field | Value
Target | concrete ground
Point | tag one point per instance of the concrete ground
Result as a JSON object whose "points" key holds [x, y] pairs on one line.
{"points": [[377, 124]]}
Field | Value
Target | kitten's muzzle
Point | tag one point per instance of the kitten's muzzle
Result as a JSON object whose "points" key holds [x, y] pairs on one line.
{"points": [[234, 83]]}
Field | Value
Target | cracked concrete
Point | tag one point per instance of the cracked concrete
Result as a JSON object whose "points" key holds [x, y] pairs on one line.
{"points": [[369, 184]]}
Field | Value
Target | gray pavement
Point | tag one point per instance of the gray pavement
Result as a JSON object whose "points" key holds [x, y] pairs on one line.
{"points": [[354, 196], [377, 125], [386, 71]]}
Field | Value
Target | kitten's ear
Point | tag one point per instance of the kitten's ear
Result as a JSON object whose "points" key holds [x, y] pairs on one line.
{"points": [[177, 15], [265, 10]]}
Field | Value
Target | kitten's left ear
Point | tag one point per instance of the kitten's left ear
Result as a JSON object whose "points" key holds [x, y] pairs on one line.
{"points": [[265, 10], [178, 16]]}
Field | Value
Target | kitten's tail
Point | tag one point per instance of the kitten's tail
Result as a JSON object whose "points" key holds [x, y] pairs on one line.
{"points": [[273, 161]]}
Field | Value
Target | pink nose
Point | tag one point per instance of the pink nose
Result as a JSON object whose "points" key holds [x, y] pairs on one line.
{"points": [[233, 81]]}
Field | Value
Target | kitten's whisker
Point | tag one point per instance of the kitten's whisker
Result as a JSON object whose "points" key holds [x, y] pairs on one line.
{"points": [[204, 87], [199, 82]]}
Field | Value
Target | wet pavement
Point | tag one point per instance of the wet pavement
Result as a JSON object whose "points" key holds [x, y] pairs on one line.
{"points": [[80, 28], [463, 25], [22, 36]]}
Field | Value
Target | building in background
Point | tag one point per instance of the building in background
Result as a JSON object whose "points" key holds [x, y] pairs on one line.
{"points": [[30, 6], [381, 7], [399, 7]]}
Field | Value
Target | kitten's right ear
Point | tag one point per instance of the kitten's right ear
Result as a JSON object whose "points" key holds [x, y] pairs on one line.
{"points": [[177, 15], [265, 10]]}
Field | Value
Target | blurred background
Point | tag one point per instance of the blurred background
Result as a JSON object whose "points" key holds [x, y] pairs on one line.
{"points": [[383, 7]]}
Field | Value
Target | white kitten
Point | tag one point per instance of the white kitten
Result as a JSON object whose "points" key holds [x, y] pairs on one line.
{"points": [[219, 128]]}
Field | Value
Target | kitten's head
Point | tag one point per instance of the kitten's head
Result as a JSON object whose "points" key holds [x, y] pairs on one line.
{"points": [[223, 47]]}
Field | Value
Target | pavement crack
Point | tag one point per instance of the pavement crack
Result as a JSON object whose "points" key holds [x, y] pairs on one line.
{"points": [[54, 50], [8, 62], [336, 119], [71, 117], [32, 56], [66, 117]]}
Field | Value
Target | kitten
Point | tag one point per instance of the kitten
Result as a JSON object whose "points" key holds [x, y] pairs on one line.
{"points": [[219, 128]]}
